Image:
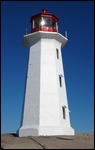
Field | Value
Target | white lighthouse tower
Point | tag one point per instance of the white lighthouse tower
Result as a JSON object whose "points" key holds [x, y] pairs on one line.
{"points": [[45, 110]]}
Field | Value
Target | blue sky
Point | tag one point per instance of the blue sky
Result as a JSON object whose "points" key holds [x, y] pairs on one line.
{"points": [[75, 17]]}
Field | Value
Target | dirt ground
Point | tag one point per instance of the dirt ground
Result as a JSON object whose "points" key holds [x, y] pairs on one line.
{"points": [[78, 141]]}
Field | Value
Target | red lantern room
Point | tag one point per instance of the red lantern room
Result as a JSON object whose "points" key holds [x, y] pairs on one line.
{"points": [[44, 22]]}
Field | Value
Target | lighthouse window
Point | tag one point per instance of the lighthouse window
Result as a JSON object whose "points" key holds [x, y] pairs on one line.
{"points": [[60, 80], [36, 22], [53, 23], [57, 53], [45, 21], [63, 110]]}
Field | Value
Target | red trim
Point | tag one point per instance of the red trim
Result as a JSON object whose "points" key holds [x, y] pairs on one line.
{"points": [[44, 28], [44, 15]]}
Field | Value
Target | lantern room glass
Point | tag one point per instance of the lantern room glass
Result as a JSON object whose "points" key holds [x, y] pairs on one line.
{"points": [[44, 21]]}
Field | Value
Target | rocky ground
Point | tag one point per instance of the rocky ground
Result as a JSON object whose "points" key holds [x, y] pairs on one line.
{"points": [[79, 141]]}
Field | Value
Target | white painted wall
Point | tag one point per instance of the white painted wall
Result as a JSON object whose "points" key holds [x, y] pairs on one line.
{"points": [[44, 97], [31, 106], [61, 90], [49, 101]]}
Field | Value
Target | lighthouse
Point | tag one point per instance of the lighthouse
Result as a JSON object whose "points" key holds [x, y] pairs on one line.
{"points": [[45, 107]]}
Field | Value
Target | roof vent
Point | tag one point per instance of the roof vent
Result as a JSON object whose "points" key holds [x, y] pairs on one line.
{"points": [[44, 11]]}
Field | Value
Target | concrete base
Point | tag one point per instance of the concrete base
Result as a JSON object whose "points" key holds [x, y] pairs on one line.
{"points": [[45, 131]]}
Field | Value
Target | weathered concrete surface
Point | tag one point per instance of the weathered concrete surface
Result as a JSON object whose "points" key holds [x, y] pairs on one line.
{"points": [[79, 141]]}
